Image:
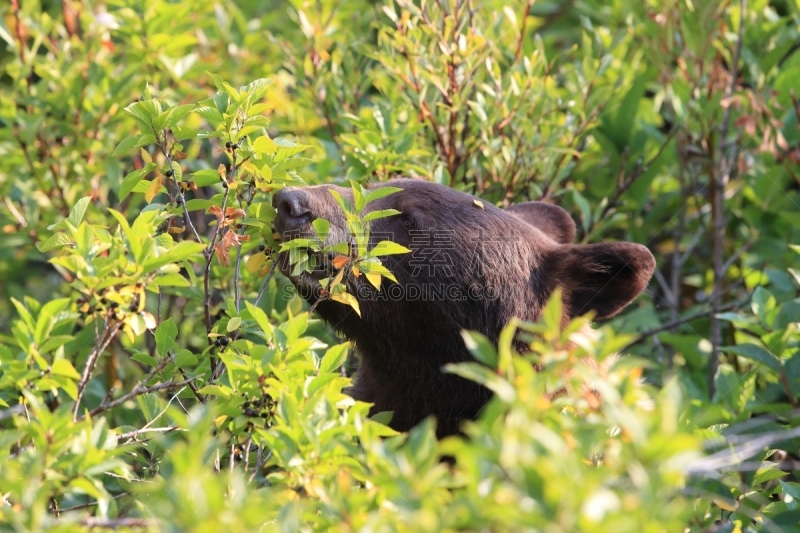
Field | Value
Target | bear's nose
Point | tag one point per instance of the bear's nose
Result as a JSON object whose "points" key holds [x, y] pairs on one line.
{"points": [[292, 207]]}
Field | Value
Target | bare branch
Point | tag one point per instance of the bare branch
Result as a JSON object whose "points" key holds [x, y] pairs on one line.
{"points": [[85, 505], [115, 523], [178, 190], [266, 282], [138, 391], [718, 182], [135, 433], [105, 338], [680, 321]]}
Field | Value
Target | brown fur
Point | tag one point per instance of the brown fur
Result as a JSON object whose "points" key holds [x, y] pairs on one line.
{"points": [[522, 253]]}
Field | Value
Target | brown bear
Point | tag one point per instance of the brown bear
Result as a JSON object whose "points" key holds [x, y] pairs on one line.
{"points": [[472, 266]]}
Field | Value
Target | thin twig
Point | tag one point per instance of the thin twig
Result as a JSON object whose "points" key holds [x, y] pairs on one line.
{"points": [[116, 523], [178, 190], [678, 322], [135, 433], [138, 391], [239, 249], [266, 283], [207, 274], [91, 362], [521, 38], [718, 182], [260, 462], [86, 505]]}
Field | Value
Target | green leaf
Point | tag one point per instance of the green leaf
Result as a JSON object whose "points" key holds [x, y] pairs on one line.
{"points": [[287, 148], [321, 226], [790, 488], [762, 303], [261, 319], [172, 116], [381, 192], [767, 472], [55, 342], [165, 336], [78, 210], [205, 177], [133, 178], [479, 373], [197, 204], [131, 143], [755, 353], [382, 213], [359, 200], [264, 145], [145, 359], [480, 347], [234, 323], [182, 250], [387, 248], [217, 390], [617, 125], [62, 367], [384, 417], [334, 358], [56, 241], [185, 359], [144, 111], [172, 279], [344, 204]]}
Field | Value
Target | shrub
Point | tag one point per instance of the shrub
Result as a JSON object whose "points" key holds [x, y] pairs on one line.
{"points": [[155, 373]]}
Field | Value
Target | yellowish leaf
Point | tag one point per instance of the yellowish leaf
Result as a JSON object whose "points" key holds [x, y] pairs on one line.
{"points": [[149, 320], [478, 204], [146, 156], [152, 189], [347, 299], [263, 272], [724, 504], [375, 279], [337, 279], [255, 262]]}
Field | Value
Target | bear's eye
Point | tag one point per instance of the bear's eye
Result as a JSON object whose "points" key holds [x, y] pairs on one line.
{"points": [[407, 222]]}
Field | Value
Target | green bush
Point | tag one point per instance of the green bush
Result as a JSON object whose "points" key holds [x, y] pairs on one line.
{"points": [[154, 374]]}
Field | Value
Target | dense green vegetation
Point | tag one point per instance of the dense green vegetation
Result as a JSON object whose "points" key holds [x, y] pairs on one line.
{"points": [[154, 376]]}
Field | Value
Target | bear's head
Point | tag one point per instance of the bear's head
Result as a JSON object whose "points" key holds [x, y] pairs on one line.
{"points": [[471, 266]]}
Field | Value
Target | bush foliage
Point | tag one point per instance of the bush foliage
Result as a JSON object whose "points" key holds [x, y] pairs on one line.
{"points": [[156, 375]]}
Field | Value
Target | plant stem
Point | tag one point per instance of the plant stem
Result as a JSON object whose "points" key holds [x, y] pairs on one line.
{"points": [[718, 182]]}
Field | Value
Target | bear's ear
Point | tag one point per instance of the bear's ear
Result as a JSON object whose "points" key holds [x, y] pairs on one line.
{"points": [[602, 277], [548, 218]]}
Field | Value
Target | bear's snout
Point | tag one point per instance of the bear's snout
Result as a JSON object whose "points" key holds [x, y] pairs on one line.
{"points": [[293, 210]]}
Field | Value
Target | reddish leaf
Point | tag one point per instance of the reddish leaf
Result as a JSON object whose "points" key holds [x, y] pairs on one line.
{"points": [[216, 211], [229, 240], [234, 213]]}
